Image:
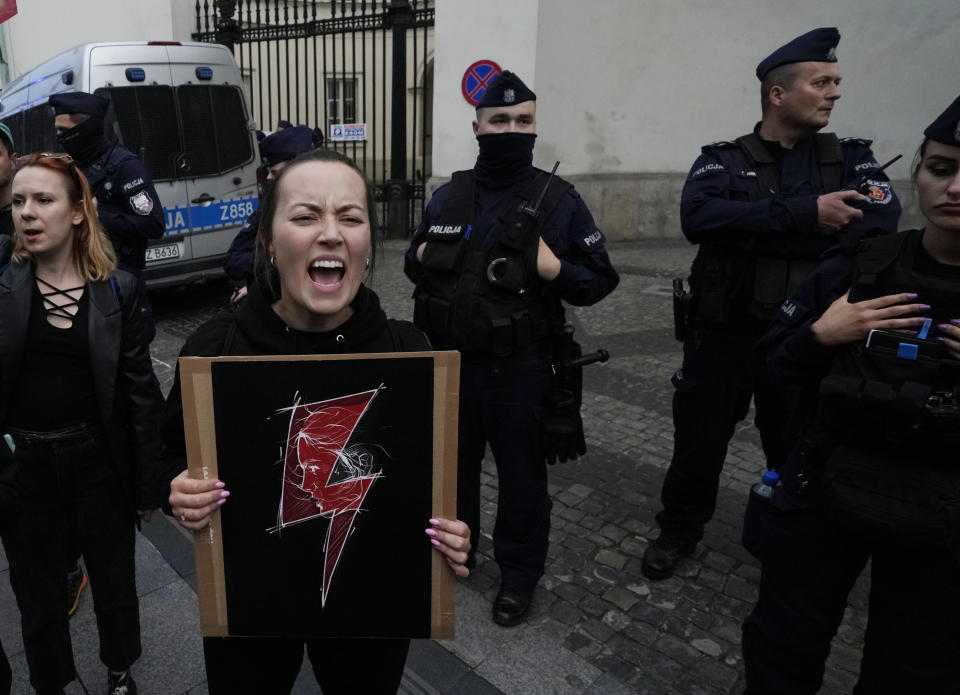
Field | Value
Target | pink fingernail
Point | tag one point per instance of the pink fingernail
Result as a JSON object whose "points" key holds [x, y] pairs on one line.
{"points": [[941, 327], [435, 522], [222, 501], [225, 494], [431, 532], [924, 307], [912, 295], [220, 484], [955, 322], [435, 542]]}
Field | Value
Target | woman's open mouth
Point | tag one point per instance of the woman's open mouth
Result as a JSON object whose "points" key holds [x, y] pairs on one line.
{"points": [[326, 273]]}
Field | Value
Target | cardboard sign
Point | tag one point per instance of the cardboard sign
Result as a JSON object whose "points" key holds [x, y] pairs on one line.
{"points": [[335, 464]]}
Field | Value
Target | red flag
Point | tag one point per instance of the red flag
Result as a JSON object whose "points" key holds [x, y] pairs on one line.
{"points": [[8, 8]]}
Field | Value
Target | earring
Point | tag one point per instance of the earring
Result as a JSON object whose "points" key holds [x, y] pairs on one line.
{"points": [[367, 262], [273, 261]]}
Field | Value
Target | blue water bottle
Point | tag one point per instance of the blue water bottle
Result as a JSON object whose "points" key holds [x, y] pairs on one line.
{"points": [[766, 485]]}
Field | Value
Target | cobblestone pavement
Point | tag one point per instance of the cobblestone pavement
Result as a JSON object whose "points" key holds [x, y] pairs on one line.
{"points": [[597, 625]]}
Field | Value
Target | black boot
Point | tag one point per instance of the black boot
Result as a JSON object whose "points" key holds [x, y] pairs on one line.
{"points": [[661, 557], [122, 684], [511, 606]]}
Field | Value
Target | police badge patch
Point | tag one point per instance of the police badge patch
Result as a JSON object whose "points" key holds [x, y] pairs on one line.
{"points": [[509, 96], [878, 192], [142, 203]]}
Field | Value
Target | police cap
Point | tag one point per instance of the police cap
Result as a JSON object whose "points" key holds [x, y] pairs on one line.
{"points": [[946, 128], [819, 45], [80, 102], [284, 145], [506, 90]]}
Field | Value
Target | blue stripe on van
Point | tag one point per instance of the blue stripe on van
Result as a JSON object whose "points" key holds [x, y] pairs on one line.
{"points": [[216, 215]]}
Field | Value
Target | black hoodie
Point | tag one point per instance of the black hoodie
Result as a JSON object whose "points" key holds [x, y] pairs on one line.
{"points": [[254, 328]]}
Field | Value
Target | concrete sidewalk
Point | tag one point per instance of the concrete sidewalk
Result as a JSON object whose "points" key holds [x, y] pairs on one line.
{"points": [[597, 625]]}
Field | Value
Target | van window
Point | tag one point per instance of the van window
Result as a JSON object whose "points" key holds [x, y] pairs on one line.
{"points": [[186, 132], [33, 130], [214, 128], [147, 118]]}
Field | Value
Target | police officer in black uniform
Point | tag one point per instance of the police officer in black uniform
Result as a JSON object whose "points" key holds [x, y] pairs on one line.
{"points": [[491, 267], [127, 202], [276, 150], [876, 476], [762, 209]]}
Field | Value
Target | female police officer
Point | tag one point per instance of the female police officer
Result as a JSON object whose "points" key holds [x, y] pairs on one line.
{"points": [[876, 478]]}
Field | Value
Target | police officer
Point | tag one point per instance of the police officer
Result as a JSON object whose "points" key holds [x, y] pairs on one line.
{"points": [[490, 278], [127, 203], [762, 209], [276, 150], [876, 476]]}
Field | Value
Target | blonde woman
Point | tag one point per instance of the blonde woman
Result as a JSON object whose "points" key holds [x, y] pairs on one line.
{"points": [[77, 402]]}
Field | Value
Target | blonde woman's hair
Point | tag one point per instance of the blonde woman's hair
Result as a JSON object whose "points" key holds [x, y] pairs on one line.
{"points": [[93, 253]]}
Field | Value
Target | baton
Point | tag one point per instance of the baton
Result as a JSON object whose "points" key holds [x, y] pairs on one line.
{"points": [[598, 356]]}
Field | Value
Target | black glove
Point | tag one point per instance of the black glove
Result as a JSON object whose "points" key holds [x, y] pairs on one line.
{"points": [[561, 429]]}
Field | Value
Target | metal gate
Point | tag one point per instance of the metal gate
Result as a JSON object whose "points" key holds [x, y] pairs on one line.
{"points": [[335, 62]]}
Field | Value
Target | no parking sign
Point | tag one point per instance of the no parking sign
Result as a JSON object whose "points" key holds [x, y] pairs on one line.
{"points": [[476, 78]]}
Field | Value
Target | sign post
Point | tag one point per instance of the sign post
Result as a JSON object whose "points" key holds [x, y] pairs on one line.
{"points": [[476, 78]]}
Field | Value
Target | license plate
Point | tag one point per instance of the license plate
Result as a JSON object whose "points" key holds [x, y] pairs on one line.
{"points": [[163, 253]]}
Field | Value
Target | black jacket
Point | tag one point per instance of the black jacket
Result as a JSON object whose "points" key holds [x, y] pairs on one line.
{"points": [[122, 373], [253, 328]]}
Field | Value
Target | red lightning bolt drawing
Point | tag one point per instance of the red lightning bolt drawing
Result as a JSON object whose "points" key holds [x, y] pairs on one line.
{"points": [[316, 443]]}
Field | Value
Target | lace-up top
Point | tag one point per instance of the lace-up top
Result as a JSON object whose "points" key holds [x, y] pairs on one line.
{"points": [[59, 306], [55, 387]]}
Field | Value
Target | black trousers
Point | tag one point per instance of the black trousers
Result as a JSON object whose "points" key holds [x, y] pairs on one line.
{"points": [[6, 675], [500, 404], [270, 665], [713, 392], [69, 486], [809, 564]]}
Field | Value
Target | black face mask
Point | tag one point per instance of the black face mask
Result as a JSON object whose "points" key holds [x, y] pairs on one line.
{"points": [[84, 142], [505, 158]]}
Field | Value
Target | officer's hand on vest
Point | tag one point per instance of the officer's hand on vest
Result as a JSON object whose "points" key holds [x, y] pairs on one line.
{"points": [[834, 211], [548, 265], [847, 322], [420, 249]]}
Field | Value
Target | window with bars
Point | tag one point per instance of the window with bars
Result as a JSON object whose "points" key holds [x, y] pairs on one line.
{"points": [[341, 100]]}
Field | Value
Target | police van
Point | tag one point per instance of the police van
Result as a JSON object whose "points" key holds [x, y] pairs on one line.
{"points": [[181, 108]]}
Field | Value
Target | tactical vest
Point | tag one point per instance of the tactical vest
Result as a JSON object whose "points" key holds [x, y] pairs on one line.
{"points": [[756, 278], [485, 297], [895, 389]]}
